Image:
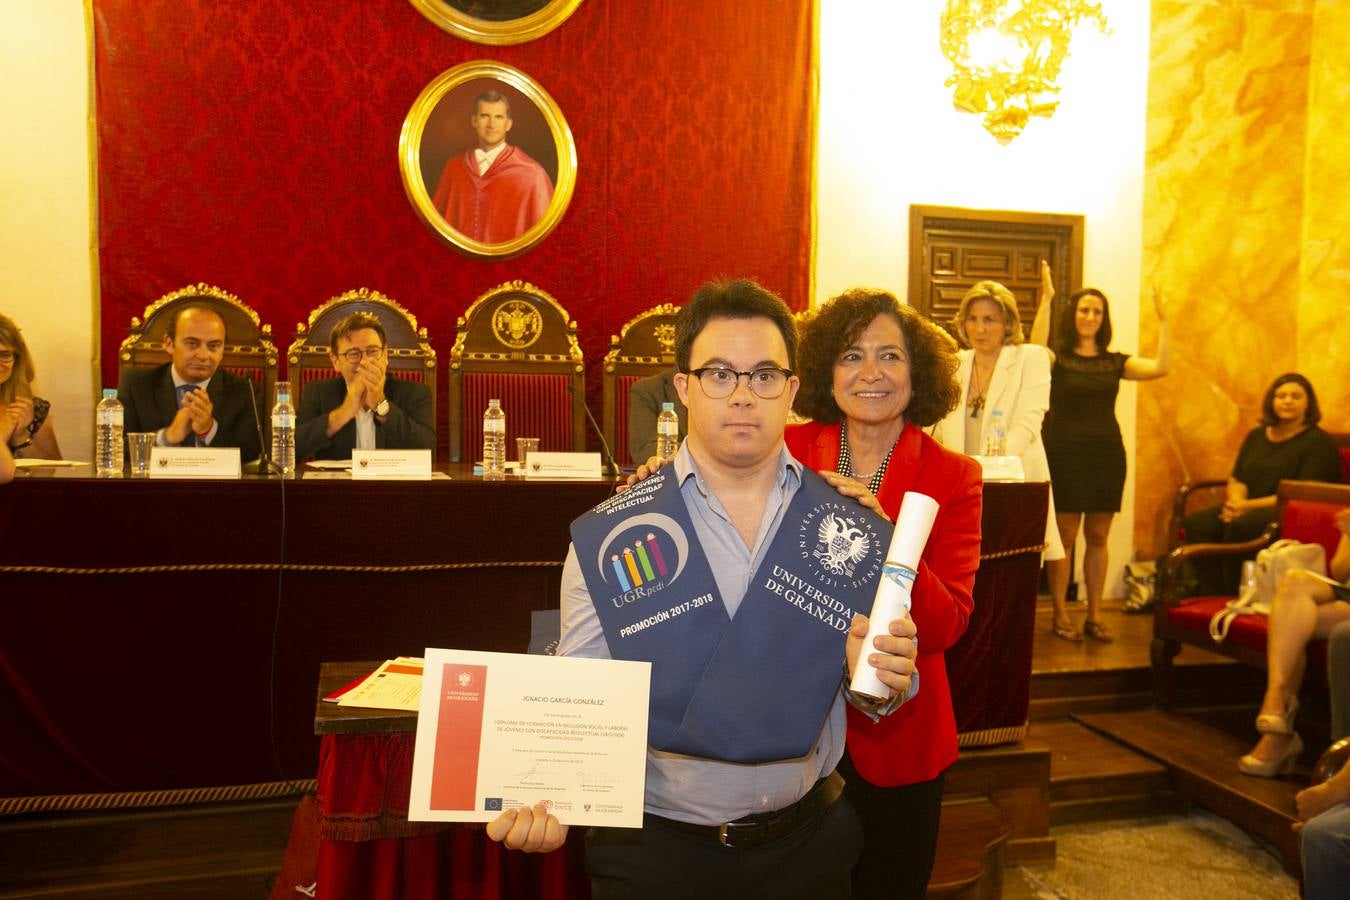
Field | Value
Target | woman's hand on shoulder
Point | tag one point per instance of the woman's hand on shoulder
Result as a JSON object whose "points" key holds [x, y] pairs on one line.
{"points": [[644, 471], [855, 489]]}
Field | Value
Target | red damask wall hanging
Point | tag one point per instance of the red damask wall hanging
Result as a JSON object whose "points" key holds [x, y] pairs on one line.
{"points": [[254, 145]]}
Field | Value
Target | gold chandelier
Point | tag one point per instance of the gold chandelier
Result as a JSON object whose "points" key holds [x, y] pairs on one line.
{"points": [[1006, 56]]}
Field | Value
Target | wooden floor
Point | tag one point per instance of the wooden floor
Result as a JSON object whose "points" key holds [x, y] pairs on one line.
{"points": [[1115, 755]]}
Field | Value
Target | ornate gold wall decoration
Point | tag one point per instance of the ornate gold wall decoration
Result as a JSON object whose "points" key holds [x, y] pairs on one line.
{"points": [[1007, 55]]}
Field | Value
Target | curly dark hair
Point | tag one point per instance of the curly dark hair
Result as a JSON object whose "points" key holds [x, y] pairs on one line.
{"points": [[834, 328], [1312, 416]]}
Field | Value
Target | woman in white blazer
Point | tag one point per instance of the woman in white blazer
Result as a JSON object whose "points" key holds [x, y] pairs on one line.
{"points": [[1000, 372]]}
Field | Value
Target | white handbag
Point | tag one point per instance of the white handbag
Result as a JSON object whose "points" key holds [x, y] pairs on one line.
{"points": [[1258, 591]]}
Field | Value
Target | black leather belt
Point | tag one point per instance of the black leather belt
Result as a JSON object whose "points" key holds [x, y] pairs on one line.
{"points": [[761, 828]]}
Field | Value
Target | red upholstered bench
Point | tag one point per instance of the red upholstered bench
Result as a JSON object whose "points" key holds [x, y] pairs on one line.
{"points": [[1306, 512]]}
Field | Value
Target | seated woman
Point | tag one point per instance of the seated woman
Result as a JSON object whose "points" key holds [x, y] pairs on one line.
{"points": [[1288, 444], [1305, 608], [999, 372], [27, 425]]}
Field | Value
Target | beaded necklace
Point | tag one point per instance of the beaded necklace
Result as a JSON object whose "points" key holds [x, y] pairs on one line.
{"points": [[845, 465]]}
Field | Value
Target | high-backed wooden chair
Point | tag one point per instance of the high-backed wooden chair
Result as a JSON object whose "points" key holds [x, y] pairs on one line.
{"points": [[249, 351], [517, 344], [644, 346], [409, 350]]}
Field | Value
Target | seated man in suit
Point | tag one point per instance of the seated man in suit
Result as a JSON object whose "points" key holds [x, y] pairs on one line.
{"points": [[644, 405], [186, 400], [361, 408]]}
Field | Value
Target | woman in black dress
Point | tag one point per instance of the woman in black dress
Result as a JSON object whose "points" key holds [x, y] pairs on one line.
{"points": [[1082, 438], [1287, 444]]}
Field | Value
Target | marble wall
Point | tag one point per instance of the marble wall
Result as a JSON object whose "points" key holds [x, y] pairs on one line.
{"points": [[1245, 216], [1324, 270]]}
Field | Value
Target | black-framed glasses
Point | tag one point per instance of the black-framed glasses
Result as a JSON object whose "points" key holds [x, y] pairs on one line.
{"points": [[718, 382], [8, 356], [354, 355]]}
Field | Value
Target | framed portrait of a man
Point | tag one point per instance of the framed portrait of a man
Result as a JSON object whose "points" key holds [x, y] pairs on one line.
{"points": [[497, 22], [487, 159]]}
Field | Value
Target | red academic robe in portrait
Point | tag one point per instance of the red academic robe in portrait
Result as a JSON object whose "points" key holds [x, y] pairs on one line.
{"points": [[501, 204]]}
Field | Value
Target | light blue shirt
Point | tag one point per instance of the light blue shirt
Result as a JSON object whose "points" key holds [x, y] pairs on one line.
{"points": [[161, 440], [690, 788]]}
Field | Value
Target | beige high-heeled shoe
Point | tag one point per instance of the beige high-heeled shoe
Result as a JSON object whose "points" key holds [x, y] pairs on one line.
{"points": [[1277, 723], [1269, 768]]}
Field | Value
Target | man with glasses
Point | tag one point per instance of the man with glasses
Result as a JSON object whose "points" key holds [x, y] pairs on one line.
{"points": [[361, 407], [748, 690], [188, 401]]}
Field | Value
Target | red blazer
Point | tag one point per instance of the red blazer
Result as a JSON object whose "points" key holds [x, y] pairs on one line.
{"points": [[918, 741]]}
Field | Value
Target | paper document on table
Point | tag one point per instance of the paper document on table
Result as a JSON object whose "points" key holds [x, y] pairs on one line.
{"points": [[346, 689], [396, 684], [329, 464], [502, 731], [27, 463]]}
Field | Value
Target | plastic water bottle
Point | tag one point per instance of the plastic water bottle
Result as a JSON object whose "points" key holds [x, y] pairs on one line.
{"points": [[667, 431], [494, 442], [108, 435], [996, 444], [283, 431]]}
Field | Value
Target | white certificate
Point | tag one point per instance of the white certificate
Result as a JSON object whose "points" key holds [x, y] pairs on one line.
{"points": [[500, 731]]}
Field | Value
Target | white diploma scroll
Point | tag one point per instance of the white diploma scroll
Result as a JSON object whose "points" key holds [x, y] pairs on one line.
{"points": [[892, 600]]}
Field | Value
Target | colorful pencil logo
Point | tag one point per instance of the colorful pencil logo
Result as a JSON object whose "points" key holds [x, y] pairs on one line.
{"points": [[634, 566]]}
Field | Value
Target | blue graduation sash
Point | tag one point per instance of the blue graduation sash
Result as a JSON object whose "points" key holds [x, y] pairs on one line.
{"points": [[748, 689]]}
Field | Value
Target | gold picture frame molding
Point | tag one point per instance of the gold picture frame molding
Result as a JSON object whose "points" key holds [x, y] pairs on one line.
{"points": [[410, 155], [497, 34]]}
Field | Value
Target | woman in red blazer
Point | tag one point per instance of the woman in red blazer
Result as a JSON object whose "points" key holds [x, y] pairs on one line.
{"points": [[874, 373]]}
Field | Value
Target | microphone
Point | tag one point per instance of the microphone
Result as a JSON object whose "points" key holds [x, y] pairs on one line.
{"points": [[263, 464], [611, 467]]}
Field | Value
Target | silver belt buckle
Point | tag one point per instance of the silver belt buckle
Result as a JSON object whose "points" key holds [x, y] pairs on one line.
{"points": [[723, 834]]}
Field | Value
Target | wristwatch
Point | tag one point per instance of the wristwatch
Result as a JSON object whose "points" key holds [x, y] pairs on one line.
{"points": [[383, 409]]}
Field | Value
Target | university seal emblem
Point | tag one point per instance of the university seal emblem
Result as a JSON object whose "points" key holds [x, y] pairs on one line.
{"points": [[840, 546], [517, 324]]}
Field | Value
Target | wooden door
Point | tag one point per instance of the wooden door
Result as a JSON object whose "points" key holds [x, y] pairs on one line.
{"points": [[951, 248]]}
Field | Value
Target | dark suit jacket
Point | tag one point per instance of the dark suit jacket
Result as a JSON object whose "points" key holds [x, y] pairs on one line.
{"points": [[410, 424], [644, 405], [917, 741], [149, 403]]}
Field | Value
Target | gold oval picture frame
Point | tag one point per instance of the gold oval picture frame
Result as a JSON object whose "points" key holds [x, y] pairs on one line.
{"points": [[522, 194], [497, 22]]}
